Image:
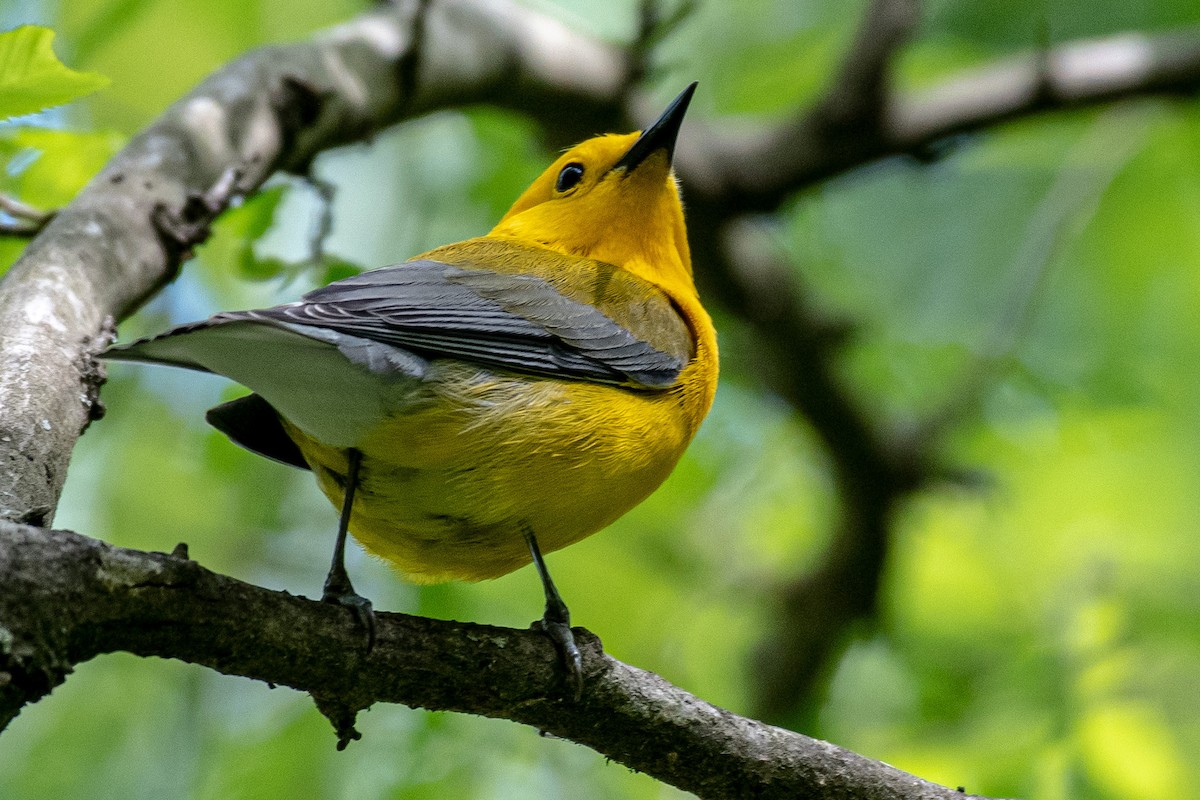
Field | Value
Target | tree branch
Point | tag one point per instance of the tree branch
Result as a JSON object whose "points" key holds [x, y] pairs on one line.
{"points": [[754, 170], [872, 472], [15, 208], [1072, 75], [859, 93], [69, 598], [27, 221], [19, 230]]}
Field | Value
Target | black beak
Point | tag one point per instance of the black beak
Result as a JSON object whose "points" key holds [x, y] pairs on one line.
{"points": [[659, 136]]}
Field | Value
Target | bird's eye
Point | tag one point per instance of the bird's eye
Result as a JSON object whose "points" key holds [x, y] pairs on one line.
{"points": [[567, 179]]}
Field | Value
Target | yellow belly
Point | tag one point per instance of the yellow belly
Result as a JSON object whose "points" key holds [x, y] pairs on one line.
{"points": [[450, 482]]}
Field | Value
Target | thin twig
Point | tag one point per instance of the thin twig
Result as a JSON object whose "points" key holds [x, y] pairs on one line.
{"points": [[27, 221], [15, 208], [19, 230], [322, 223]]}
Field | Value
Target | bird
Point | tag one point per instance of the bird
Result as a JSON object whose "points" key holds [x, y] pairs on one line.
{"points": [[493, 399]]}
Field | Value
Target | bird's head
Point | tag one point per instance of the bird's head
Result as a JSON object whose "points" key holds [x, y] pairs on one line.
{"points": [[613, 198]]}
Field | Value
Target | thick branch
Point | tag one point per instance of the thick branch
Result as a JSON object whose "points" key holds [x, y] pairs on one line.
{"points": [[1072, 75], [69, 598]]}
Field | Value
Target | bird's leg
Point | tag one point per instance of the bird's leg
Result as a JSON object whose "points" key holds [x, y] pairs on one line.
{"points": [[338, 588], [556, 621]]}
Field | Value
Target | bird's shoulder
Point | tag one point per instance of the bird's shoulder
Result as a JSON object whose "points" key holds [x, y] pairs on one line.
{"points": [[636, 305]]}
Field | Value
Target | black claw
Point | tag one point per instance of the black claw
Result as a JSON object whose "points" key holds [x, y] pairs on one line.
{"points": [[364, 612], [564, 642]]}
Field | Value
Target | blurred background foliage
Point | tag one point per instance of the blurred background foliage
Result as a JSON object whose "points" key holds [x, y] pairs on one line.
{"points": [[1038, 635]]}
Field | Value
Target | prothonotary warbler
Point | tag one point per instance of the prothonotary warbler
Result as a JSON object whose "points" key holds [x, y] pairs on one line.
{"points": [[491, 399]]}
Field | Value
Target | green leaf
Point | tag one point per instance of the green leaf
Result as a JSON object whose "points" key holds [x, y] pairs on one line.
{"points": [[335, 269], [1129, 749], [31, 76], [47, 168], [236, 231], [253, 217]]}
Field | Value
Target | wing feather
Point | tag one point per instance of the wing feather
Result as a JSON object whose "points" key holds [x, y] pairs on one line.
{"points": [[512, 321]]}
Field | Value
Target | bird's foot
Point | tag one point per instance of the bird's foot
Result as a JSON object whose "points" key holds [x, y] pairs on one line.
{"points": [[341, 593], [559, 632]]}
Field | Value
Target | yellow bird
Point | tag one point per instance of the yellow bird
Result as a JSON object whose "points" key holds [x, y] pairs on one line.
{"points": [[490, 399]]}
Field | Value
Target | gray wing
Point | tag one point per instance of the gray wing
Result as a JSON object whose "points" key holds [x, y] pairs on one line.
{"points": [[512, 321], [348, 355]]}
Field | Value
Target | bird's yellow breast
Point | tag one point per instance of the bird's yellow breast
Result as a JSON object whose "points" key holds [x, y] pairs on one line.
{"points": [[449, 485]]}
